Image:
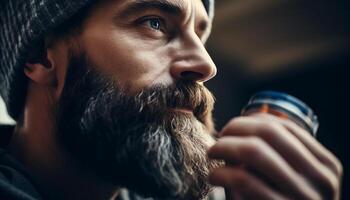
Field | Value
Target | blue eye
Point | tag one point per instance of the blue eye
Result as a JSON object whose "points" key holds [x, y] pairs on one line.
{"points": [[154, 24]]}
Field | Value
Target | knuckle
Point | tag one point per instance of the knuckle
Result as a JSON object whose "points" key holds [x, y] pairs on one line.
{"points": [[234, 125], [235, 121], [269, 130], [338, 167], [253, 148], [269, 127], [231, 125], [255, 142]]}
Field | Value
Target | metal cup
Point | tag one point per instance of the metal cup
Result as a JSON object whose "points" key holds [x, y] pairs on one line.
{"points": [[285, 106]]}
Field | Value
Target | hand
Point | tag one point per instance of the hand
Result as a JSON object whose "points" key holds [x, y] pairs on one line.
{"points": [[271, 158]]}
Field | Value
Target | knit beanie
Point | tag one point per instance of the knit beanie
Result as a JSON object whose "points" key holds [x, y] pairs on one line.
{"points": [[22, 24]]}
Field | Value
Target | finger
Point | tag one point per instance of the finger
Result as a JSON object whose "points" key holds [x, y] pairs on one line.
{"points": [[240, 184], [258, 156], [322, 154], [330, 188], [271, 130]]}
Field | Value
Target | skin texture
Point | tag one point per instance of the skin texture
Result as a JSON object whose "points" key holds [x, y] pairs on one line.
{"points": [[149, 56], [266, 157]]}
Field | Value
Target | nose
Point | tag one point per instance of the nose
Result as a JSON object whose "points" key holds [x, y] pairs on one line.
{"points": [[193, 62]]}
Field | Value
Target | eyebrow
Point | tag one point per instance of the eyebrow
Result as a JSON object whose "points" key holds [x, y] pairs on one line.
{"points": [[162, 5]]}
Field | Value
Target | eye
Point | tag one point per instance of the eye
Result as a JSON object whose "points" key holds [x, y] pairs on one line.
{"points": [[156, 27], [154, 23]]}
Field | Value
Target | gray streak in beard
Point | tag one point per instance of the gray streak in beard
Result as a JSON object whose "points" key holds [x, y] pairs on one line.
{"points": [[159, 146], [137, 141]]}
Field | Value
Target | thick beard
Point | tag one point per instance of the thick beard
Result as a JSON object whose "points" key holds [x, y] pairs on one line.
{"points": [[138, 141]]}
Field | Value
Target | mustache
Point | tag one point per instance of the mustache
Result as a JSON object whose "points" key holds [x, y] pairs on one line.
{"points": [[183, 94]]}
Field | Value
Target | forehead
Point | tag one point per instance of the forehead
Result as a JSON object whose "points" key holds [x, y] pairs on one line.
{"points": [[184, 4], [185, 8]]}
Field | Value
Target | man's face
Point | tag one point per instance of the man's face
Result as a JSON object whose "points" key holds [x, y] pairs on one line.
{"points": [[133, 109], [148, 42]]}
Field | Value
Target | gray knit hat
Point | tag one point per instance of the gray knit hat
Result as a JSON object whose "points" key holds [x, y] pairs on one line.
{"points": [[22, 24]]}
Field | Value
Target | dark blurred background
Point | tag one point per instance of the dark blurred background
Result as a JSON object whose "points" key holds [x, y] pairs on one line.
{"points": [[294, 46]]}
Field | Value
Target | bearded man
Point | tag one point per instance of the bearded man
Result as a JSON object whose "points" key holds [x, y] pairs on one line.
{"points": [[109, 101]]}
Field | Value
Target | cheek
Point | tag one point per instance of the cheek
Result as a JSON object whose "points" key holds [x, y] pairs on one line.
{"points": [[129, 59]]}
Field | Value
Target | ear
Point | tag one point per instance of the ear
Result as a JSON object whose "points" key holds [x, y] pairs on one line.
{"points": [[42, 72]]}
